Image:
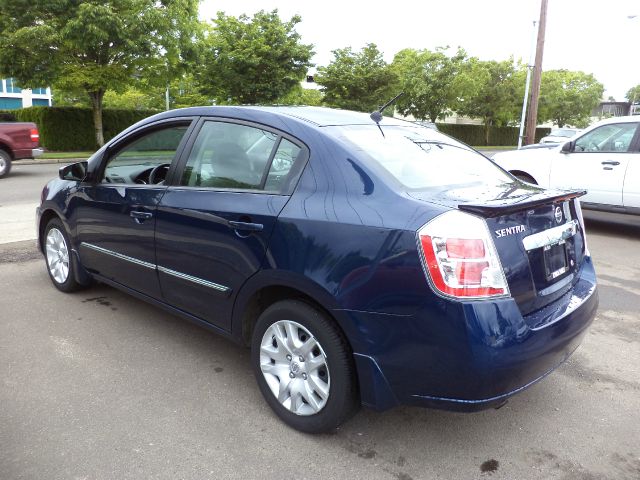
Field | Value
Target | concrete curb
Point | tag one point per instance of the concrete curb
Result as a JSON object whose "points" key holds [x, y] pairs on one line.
{"points": [[47, 161]]}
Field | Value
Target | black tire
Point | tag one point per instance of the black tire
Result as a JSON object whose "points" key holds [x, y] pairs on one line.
{"points": [[67, 284], [343, 399], [5, 163], [524, 177]]}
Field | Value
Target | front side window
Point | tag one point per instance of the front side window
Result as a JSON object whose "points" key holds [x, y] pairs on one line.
{"points": [[146, 159], [613, 138], [234, 156]]}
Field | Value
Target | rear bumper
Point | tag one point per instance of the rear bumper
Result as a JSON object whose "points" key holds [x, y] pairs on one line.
{"points": [[21, 153], [472, 355]]}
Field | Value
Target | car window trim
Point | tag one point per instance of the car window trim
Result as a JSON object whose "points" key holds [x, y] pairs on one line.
{"points": [[136, 134], [292, 177]]}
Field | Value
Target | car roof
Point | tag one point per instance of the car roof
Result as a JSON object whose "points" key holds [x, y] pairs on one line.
{"points": [[318, 116], [627, 119]]}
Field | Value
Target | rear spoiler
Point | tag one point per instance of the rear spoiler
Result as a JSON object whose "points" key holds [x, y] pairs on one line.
{"points": [[495, 208]]}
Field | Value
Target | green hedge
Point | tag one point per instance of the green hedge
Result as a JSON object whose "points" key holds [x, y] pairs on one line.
{"points": [[498, 136], [71, 128]]}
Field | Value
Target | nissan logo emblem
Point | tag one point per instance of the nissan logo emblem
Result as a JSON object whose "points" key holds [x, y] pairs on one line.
{"points": [[558, 214]]}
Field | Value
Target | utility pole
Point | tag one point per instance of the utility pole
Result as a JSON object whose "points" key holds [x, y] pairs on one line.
{"points": [[527, 83], [532, 118]]}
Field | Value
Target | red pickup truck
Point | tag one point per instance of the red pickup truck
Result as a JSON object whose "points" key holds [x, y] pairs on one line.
{"points": [[17, 140]]}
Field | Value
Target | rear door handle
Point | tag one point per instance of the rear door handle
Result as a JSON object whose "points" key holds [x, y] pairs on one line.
{"points": [[139, 216], [609, 162], [246, 226]]}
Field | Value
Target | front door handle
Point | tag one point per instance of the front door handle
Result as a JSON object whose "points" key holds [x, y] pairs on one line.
{"points": [[246, 226], [610, 162], [139, 216]]}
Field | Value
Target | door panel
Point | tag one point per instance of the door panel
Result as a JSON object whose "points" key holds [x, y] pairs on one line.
{"points": [[631, 192], [203, 256], [115, 244]]}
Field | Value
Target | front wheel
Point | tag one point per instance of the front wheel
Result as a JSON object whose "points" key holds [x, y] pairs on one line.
{"points": [[5, 163], [304, 367], [58, 257]]}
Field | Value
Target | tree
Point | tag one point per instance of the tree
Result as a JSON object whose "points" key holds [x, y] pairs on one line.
{"points": [[253, 60], [633, 95], [568, 97], [92, 45], [428, 81], [359, 81], [301, 96], [491, 91]]}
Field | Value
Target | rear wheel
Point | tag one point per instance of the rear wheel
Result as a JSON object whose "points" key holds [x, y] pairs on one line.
{"points": [[303, 366], [5, 163], [58, 256]]}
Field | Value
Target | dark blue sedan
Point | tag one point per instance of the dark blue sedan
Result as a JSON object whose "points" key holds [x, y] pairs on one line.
{"points": [[363, 263]]}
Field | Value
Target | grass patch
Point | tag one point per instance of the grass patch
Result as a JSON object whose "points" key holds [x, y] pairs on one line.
{"points": [[57, 155], [502, 147]]}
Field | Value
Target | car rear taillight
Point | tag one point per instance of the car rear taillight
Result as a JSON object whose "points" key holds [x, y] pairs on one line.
{"points": [[576, 202], [35, 136], [459, 257]]}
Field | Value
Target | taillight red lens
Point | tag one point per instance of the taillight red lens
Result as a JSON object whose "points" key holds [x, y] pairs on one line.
{"points": [[465, 248], [459, 266], [35, 136], [470, 273]]}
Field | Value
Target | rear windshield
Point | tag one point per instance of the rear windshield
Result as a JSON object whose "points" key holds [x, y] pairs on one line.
{"points": [[563, 132], [420, 157]]}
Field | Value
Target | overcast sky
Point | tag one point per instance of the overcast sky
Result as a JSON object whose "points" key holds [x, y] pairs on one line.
{"points": [[594, 36]]}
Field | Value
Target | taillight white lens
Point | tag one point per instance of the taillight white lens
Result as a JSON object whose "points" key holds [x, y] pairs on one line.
{"points": [[576, 202], [460, 258], [35, 136]]}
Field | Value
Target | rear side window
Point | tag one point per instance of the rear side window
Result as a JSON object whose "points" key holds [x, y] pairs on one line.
{"points": [[236, 156], [421, 158]]}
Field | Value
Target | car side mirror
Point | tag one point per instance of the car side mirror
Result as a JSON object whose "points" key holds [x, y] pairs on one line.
{"points": [[74, 172], [568, 147]]}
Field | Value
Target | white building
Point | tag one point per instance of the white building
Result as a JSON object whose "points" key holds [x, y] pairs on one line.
{"points": [[13, 97]]}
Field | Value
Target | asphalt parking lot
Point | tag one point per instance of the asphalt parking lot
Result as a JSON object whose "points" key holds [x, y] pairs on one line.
{"points": [[98, 385]]}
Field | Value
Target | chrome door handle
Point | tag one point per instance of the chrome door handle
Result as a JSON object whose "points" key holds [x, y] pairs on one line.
{"points": [[609, 162], [246, 226], [140, 217]]}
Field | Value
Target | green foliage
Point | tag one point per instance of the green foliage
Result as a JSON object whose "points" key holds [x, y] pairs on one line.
{"points": [[301, 96], [476, 134], [568, 97], [92, 46], [70, 129], [633, 95], [359, 81], [7, 117], [428, 81], [253, 60], [491, 91]]}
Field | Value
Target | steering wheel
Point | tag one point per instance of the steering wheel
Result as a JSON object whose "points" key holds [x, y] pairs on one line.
{"points": [[154, 174]]}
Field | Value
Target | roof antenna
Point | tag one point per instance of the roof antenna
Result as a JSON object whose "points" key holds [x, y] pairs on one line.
{"points": [[376, 115]]}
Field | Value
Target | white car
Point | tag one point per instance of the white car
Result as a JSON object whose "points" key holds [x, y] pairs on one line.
{"points": [[604, 160], [558, 135]]}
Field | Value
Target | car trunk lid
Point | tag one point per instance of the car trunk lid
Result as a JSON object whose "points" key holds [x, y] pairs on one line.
{"points": [[538, 235]]}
